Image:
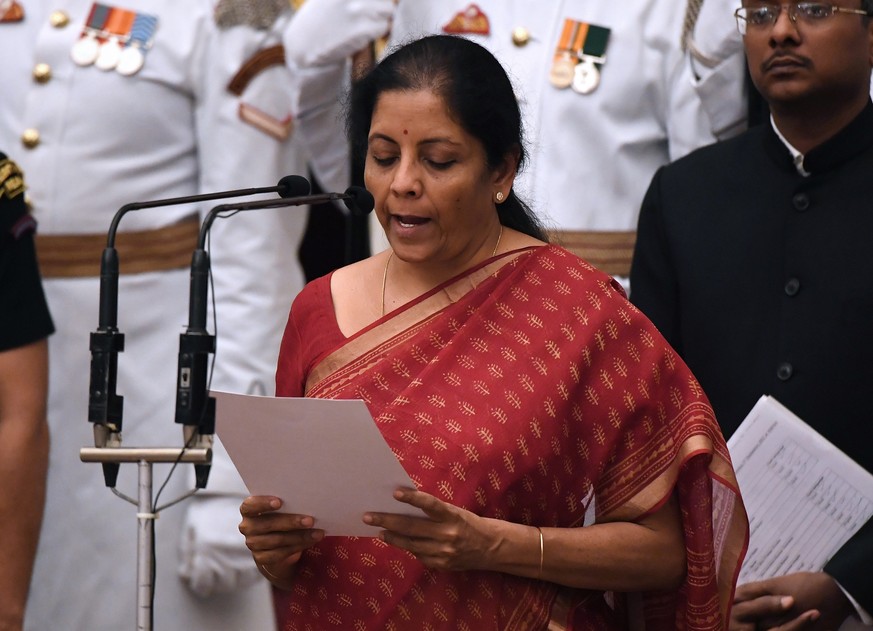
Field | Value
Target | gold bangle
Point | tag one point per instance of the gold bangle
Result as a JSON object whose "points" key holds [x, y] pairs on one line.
{"points": [[269, 574], [542, 550]]}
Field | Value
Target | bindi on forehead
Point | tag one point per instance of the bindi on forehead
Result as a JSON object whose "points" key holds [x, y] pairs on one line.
{"points": [[405, 132]]}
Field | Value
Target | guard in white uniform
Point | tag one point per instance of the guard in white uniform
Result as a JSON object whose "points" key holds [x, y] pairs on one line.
{"points": [[717, 63], [111, 104], [597, 82]]}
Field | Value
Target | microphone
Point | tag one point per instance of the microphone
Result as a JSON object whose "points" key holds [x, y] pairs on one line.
{"points": [[356, 198], [194, 408], [288, 186], [105, 407], [359, 200]]}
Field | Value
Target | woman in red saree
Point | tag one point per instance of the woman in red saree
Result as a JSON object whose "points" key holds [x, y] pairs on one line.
{"points": [[569, 465]]}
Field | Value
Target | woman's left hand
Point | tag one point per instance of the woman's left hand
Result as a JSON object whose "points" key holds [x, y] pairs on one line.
{"points": [[451, 539]]}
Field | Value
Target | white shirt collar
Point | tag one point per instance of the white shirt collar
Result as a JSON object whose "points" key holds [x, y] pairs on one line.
{"points": [[795, 154]]}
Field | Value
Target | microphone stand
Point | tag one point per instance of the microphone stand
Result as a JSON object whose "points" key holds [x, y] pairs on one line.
{"points": [[146, 513], [105, 406], [195, 409]]}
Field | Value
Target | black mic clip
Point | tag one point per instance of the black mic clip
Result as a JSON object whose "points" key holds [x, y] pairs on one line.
{"points": [[105, 406], [195, 409]]}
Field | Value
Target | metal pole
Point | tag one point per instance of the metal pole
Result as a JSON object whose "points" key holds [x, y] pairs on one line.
{"points": [[145, 457], [144, 548], [151, 454]]}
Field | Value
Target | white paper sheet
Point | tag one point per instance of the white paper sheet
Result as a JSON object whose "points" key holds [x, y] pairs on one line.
{"points": [[805, 498], [324, 458]]}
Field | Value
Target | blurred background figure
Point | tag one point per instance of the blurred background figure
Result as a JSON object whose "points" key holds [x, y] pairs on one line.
{"points": [[717, 66], [25, 324], [149, 99], [598, 85]]}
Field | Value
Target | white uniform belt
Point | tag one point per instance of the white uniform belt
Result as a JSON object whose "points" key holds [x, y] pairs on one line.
{"points": [[608, 251], [78, 255]]}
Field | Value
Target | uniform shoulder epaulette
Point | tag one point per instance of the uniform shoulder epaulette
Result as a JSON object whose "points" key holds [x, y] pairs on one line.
{"points": [[11, 179], [14, 218], [258, 14]]}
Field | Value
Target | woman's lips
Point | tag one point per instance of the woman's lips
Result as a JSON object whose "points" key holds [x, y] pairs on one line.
{"points": [[410, 221]]}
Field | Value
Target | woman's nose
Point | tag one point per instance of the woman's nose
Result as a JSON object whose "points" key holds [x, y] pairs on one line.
{"points": [[406, 180]]}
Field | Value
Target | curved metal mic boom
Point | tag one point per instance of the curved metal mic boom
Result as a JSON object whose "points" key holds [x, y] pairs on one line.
{"points": [[357, 199], [195, 409], [105, 406]]}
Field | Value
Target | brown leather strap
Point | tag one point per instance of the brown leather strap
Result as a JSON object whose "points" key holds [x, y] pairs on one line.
{"points": [[610, 252], [261, 60], [78, 255]]}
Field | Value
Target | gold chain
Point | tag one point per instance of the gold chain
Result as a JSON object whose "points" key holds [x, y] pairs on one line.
{"points": [[391, 254], [385, 280], [497, 245]]}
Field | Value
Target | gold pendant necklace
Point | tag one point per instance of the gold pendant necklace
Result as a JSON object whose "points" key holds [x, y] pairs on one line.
{"points": [[391, 255]]}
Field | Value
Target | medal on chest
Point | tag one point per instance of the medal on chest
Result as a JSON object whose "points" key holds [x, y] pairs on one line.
{"points": [[579, 55], [11, 11], [470, 21], [114, 39]]}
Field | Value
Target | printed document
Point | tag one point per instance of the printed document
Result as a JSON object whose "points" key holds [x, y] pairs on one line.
{"points": [[805, 498], [324, 458]]}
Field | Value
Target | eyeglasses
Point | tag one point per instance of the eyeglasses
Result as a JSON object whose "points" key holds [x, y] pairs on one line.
{"points": [[764, 16]]}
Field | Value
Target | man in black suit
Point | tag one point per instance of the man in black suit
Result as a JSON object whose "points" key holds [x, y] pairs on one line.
{"points": [[753, 260]]}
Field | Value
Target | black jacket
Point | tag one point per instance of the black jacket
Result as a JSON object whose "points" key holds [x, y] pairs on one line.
{"points": [[762, 280]]}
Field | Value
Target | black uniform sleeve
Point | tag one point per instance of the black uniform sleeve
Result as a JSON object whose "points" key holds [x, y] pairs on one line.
{"points": [[24, 314]]}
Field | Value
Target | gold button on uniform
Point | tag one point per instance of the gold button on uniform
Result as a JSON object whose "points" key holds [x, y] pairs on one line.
{"points": [[520, 36], [30, 138], [42, 73], [59, 19]]}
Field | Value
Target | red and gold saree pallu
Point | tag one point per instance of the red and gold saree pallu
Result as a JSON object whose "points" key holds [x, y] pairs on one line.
{"points": [[529, 390]]}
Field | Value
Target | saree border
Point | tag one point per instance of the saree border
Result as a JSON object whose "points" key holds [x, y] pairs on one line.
{"points": [[364, 348]]}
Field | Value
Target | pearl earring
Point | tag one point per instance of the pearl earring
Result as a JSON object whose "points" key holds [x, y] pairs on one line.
{"points": [[499, 197]]}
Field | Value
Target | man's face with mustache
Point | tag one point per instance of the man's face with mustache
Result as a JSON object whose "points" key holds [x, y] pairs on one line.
{"points": [[797, 61]]}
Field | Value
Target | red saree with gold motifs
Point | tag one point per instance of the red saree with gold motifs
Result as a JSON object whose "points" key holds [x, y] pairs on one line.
{"points": [[528, 389]]}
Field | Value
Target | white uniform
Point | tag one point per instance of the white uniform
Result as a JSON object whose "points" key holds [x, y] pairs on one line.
{"points": [[106, 139], [717, 62], [592, 155]]}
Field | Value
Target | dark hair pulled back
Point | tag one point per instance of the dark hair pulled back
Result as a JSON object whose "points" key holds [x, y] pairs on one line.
{"points": [[476, 91]]}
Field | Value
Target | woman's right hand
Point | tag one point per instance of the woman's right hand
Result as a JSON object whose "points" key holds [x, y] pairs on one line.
{"points": [[276, 540]]}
